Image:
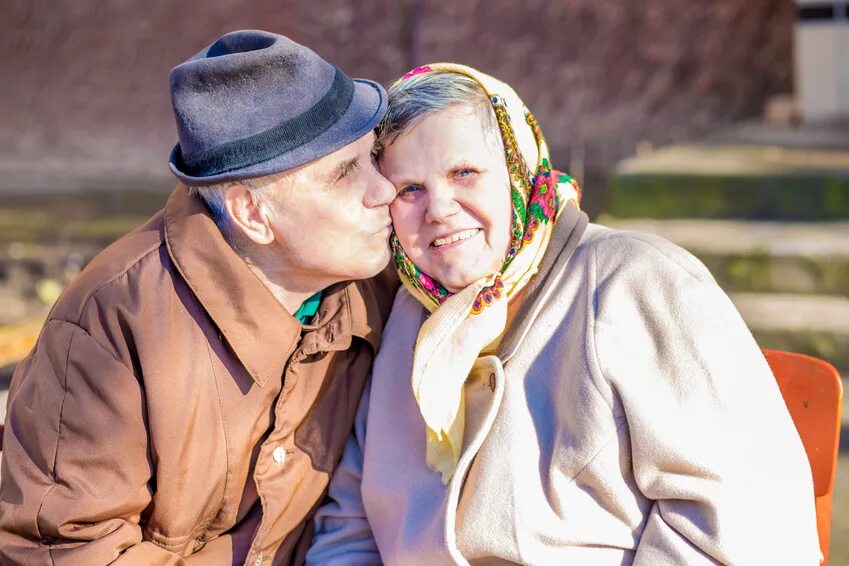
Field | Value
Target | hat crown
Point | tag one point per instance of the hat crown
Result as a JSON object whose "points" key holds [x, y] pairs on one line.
{"points": [[243, 84], [253, 103], [240, 42]]}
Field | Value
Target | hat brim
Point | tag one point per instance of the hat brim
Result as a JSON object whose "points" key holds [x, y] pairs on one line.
{"points": [[367, 108]]}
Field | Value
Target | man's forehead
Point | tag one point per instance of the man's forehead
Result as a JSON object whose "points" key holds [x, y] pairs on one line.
{"points": [[345, 154], [356, 147]]}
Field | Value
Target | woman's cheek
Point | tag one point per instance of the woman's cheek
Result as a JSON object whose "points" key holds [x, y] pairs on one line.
{"points": [[405, 220]]}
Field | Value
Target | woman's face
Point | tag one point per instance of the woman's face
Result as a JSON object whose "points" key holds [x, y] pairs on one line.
{"points": [[453, 212]]}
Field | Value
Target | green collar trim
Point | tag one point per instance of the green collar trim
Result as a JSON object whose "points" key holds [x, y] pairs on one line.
{"points": [[308, 309]]}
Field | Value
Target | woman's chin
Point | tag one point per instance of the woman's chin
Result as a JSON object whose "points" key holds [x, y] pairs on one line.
{"points": [[456, 282], [458, 268]]}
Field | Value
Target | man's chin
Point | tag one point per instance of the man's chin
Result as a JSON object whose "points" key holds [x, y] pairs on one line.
{"points": [[374, 266]]}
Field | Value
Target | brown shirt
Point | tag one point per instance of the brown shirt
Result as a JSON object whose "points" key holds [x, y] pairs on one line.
{"points": [[173, 412]]}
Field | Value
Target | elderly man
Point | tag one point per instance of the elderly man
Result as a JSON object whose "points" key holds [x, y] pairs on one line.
{"points": [[194, 387]]}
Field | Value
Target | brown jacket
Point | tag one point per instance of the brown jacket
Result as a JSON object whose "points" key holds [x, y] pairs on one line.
{"points": [[172, 412]]}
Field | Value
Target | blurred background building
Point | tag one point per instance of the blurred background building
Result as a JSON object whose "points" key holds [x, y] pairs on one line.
{"points": [[821, 55], [722, 125], [85, 93]]}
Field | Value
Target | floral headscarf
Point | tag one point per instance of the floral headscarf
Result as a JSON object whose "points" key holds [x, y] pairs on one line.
{"points": [[466, 324]]}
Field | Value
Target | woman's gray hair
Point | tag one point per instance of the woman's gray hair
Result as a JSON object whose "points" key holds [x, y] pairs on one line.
{"points": [[412, 99]]}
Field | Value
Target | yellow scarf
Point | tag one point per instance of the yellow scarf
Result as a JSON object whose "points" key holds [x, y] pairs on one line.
{"points": [[465, 325]]}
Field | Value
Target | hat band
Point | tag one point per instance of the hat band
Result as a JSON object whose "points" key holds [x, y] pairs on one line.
{"points": [[275, 141]]}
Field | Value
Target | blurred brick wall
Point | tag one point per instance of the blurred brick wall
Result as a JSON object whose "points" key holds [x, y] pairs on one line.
{"points": [[86, 80]]}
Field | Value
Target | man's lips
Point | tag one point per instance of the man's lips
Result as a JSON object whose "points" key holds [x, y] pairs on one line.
{"points": [[453, 238]]}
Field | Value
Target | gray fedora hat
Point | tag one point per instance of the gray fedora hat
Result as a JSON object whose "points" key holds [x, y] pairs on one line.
{"points": [[255, 103]]}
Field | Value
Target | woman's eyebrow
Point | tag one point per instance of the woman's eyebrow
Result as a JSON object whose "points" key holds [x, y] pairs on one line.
{"points": [[462, 164], [404, 181]]}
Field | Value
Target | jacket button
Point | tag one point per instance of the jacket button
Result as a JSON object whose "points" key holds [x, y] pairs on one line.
{"points": [[279, 455]]}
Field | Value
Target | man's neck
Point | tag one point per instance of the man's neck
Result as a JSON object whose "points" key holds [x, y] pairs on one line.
{"points": [[291, 292]]}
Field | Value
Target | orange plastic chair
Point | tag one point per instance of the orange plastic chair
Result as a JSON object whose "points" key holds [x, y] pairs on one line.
{"points": [[812, 391]]}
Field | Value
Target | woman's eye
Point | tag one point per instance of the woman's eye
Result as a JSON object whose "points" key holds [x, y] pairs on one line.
{"points": [[465, 172], [408, 190]]}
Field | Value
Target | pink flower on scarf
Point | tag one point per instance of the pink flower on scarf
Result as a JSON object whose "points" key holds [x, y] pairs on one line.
{"points": [[417, 71], [431, 287], [545, 196]]}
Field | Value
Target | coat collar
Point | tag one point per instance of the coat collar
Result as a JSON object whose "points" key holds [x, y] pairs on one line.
{"points": [[568, 232], [259, 330]]}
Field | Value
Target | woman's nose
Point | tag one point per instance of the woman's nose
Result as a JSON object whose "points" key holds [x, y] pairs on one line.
{"points": [[441, 204]]}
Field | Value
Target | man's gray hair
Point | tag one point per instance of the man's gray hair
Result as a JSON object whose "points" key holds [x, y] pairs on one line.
{"points": [[213, 197], [412, 99]]}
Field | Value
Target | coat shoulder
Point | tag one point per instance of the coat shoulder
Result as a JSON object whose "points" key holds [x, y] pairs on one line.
{"points": [[139, 250], [614, 250]]}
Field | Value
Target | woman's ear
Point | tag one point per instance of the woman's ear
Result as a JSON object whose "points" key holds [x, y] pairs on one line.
{"points": [[248, 215]]}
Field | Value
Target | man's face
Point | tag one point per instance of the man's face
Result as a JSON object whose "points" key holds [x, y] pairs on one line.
{"points": [[330, 218]]}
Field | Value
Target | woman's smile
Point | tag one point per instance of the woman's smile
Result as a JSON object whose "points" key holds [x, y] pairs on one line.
{"points": [[454, 240]]}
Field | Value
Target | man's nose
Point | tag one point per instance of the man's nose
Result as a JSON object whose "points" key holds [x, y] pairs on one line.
{"points": [[381, 192]]}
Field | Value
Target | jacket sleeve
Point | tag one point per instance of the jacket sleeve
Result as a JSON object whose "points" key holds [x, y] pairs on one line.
{"points": [[75, 465], [343, 536], [713, 446]]}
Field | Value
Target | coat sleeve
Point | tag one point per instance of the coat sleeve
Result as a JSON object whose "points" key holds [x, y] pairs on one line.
{"points": [[343, 536], [75, 466], [712, 444]]}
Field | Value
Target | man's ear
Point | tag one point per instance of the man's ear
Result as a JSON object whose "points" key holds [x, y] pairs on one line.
{"points": [[248, 214]]}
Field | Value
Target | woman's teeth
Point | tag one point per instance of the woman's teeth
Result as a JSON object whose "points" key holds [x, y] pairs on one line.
{"points": [[464, 235]]}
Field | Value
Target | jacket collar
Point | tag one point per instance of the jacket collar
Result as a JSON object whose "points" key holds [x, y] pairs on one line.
{"points": [[261, 333]]}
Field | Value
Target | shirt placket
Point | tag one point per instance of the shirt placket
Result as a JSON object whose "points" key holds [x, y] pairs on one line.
{"points": [[271, 464]]}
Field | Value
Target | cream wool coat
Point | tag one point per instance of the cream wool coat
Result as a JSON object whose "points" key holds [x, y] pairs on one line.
{"points": [[628, 418]]}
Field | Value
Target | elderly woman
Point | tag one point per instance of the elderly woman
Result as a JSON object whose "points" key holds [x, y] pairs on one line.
{"points": [[551, 391]]}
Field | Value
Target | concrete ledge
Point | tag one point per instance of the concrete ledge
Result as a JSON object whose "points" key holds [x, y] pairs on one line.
{"points": [[732, 181], [814, 325], [98, 216], [759, 256], [791, 197], [738, 160]]}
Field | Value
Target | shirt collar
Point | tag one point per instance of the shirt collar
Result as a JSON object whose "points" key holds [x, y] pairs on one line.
{"points": [[347, 310], [308, 309]]}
